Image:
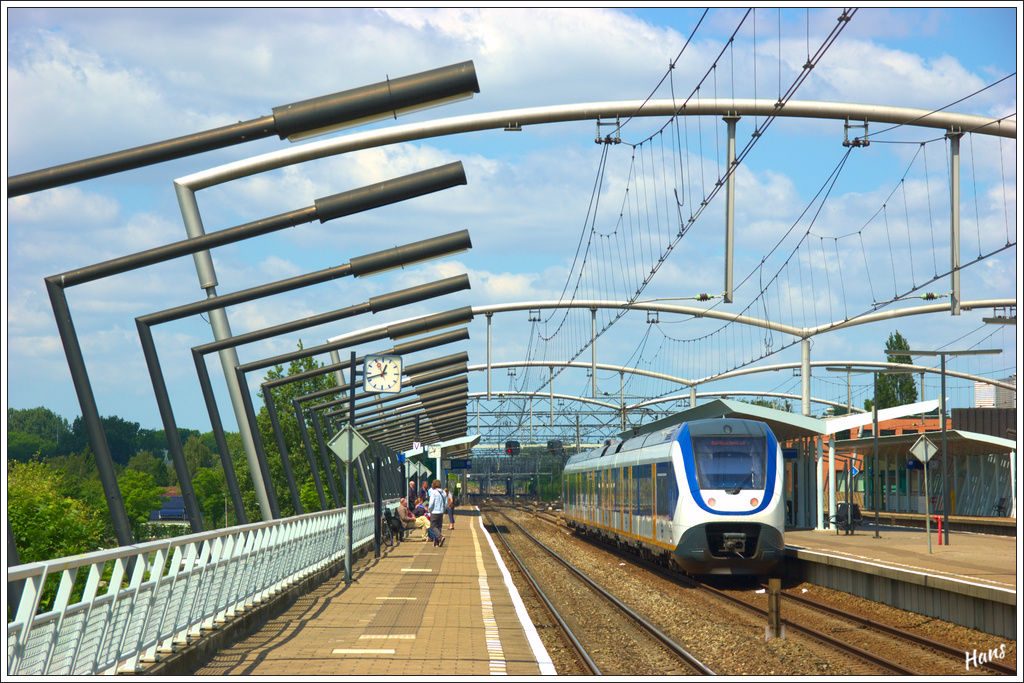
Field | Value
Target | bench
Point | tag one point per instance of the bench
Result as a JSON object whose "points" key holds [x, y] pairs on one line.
{"points": [[1000, 508]]}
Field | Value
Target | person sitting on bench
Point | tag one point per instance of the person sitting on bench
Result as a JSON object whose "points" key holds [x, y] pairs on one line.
{"points": [[403, 514]]}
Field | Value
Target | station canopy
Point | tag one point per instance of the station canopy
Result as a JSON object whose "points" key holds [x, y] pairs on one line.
{"points": [[452, 449], [958, 442], [785, 426]]}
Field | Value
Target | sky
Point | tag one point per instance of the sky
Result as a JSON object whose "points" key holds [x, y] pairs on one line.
{"points": [[825, 232]]}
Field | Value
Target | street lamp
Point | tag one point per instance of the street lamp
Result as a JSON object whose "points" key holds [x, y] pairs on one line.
{"points": [[308, 118], [942, 412]]}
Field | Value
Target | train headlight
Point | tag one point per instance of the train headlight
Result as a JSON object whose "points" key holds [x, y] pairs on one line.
{"points": [[711, 502], [753, 502]]}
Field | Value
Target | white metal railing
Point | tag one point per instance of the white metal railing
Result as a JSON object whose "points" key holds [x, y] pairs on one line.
{"points": [[145, 599]]}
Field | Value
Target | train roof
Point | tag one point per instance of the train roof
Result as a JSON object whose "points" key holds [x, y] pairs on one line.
{"points": [[784, 425]]}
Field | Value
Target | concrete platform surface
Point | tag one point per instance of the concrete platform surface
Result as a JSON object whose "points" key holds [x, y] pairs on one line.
{"points": [[977, 558], [417, 611]]}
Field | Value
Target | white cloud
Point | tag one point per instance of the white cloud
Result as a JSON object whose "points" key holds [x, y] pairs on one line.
{"points": [[137, 76]]}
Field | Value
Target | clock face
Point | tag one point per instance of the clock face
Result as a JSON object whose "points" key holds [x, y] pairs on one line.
{"points": [[382, 374]]}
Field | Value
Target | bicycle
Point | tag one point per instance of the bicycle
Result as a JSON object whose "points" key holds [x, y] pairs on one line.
{"points": [[387, 536]]}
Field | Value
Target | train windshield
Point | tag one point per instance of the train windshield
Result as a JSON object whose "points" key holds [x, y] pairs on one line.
{"points": [[733, 463]]}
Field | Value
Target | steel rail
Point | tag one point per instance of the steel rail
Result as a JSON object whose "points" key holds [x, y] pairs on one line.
{"points": [[542, 596], [640, 621], [843, 646], [923, 641], [865, 655]]}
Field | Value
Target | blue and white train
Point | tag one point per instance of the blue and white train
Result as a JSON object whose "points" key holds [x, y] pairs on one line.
{"points": [[705, 495]]}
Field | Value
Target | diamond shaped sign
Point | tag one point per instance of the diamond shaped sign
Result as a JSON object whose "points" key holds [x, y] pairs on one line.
{"points": [[339, 444], [923, 449]]}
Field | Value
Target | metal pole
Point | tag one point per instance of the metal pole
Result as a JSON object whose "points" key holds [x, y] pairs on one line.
{"points": [[304, 433], [945, 476], [622, 401], [874, 468], [593, 352], [489, 315], [377, 508], [325, 456], [927, 510], [188, 496], [261, 453], [282, 447], [730, 202], [228, 357], [805, 377], [831, 477], [954, 222], [348, 468], [90, 413], [820, 476]]}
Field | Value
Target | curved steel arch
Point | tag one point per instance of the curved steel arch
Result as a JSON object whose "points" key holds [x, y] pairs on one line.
{"points": [[696, 311], [861, 364], [528, 394], [516, 118], [803, 333], [573, 364]]}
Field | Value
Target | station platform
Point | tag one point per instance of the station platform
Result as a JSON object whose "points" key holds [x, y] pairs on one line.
{"points": [[972, 581], [983, 559], [416, 611]]}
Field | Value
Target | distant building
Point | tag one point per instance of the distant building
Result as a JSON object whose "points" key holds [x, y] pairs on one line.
{"points": [[1005, 398], [989, 396], [984, 395]]}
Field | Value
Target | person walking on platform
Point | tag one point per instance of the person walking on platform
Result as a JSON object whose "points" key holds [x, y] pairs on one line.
{"points": [[436, 505], [424, 492], [451, 508], [412, 491]]}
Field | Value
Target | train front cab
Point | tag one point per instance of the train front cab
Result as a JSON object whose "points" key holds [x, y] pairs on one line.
{"points": [[734, 496]]}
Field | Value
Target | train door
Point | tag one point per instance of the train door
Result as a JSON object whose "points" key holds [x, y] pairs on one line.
{"points": [[627, 499], [602, 499], [616, 509]]}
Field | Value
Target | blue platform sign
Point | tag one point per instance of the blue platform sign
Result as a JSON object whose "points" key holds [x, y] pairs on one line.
{"points": [[461, 465], [790, 453]]}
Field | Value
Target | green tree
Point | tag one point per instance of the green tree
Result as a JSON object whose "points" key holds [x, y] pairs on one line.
{"points": [[145, 461], [23, 447], [122, 437], [211, 490], [141, 496], [895, 390], [245, 485], [45, 522], [154, 440], [43, 423], [197, 455]]}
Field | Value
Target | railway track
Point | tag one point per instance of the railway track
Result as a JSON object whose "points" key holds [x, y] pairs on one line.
{"points": [[905, 653], [957, 655], [610, 639]]}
